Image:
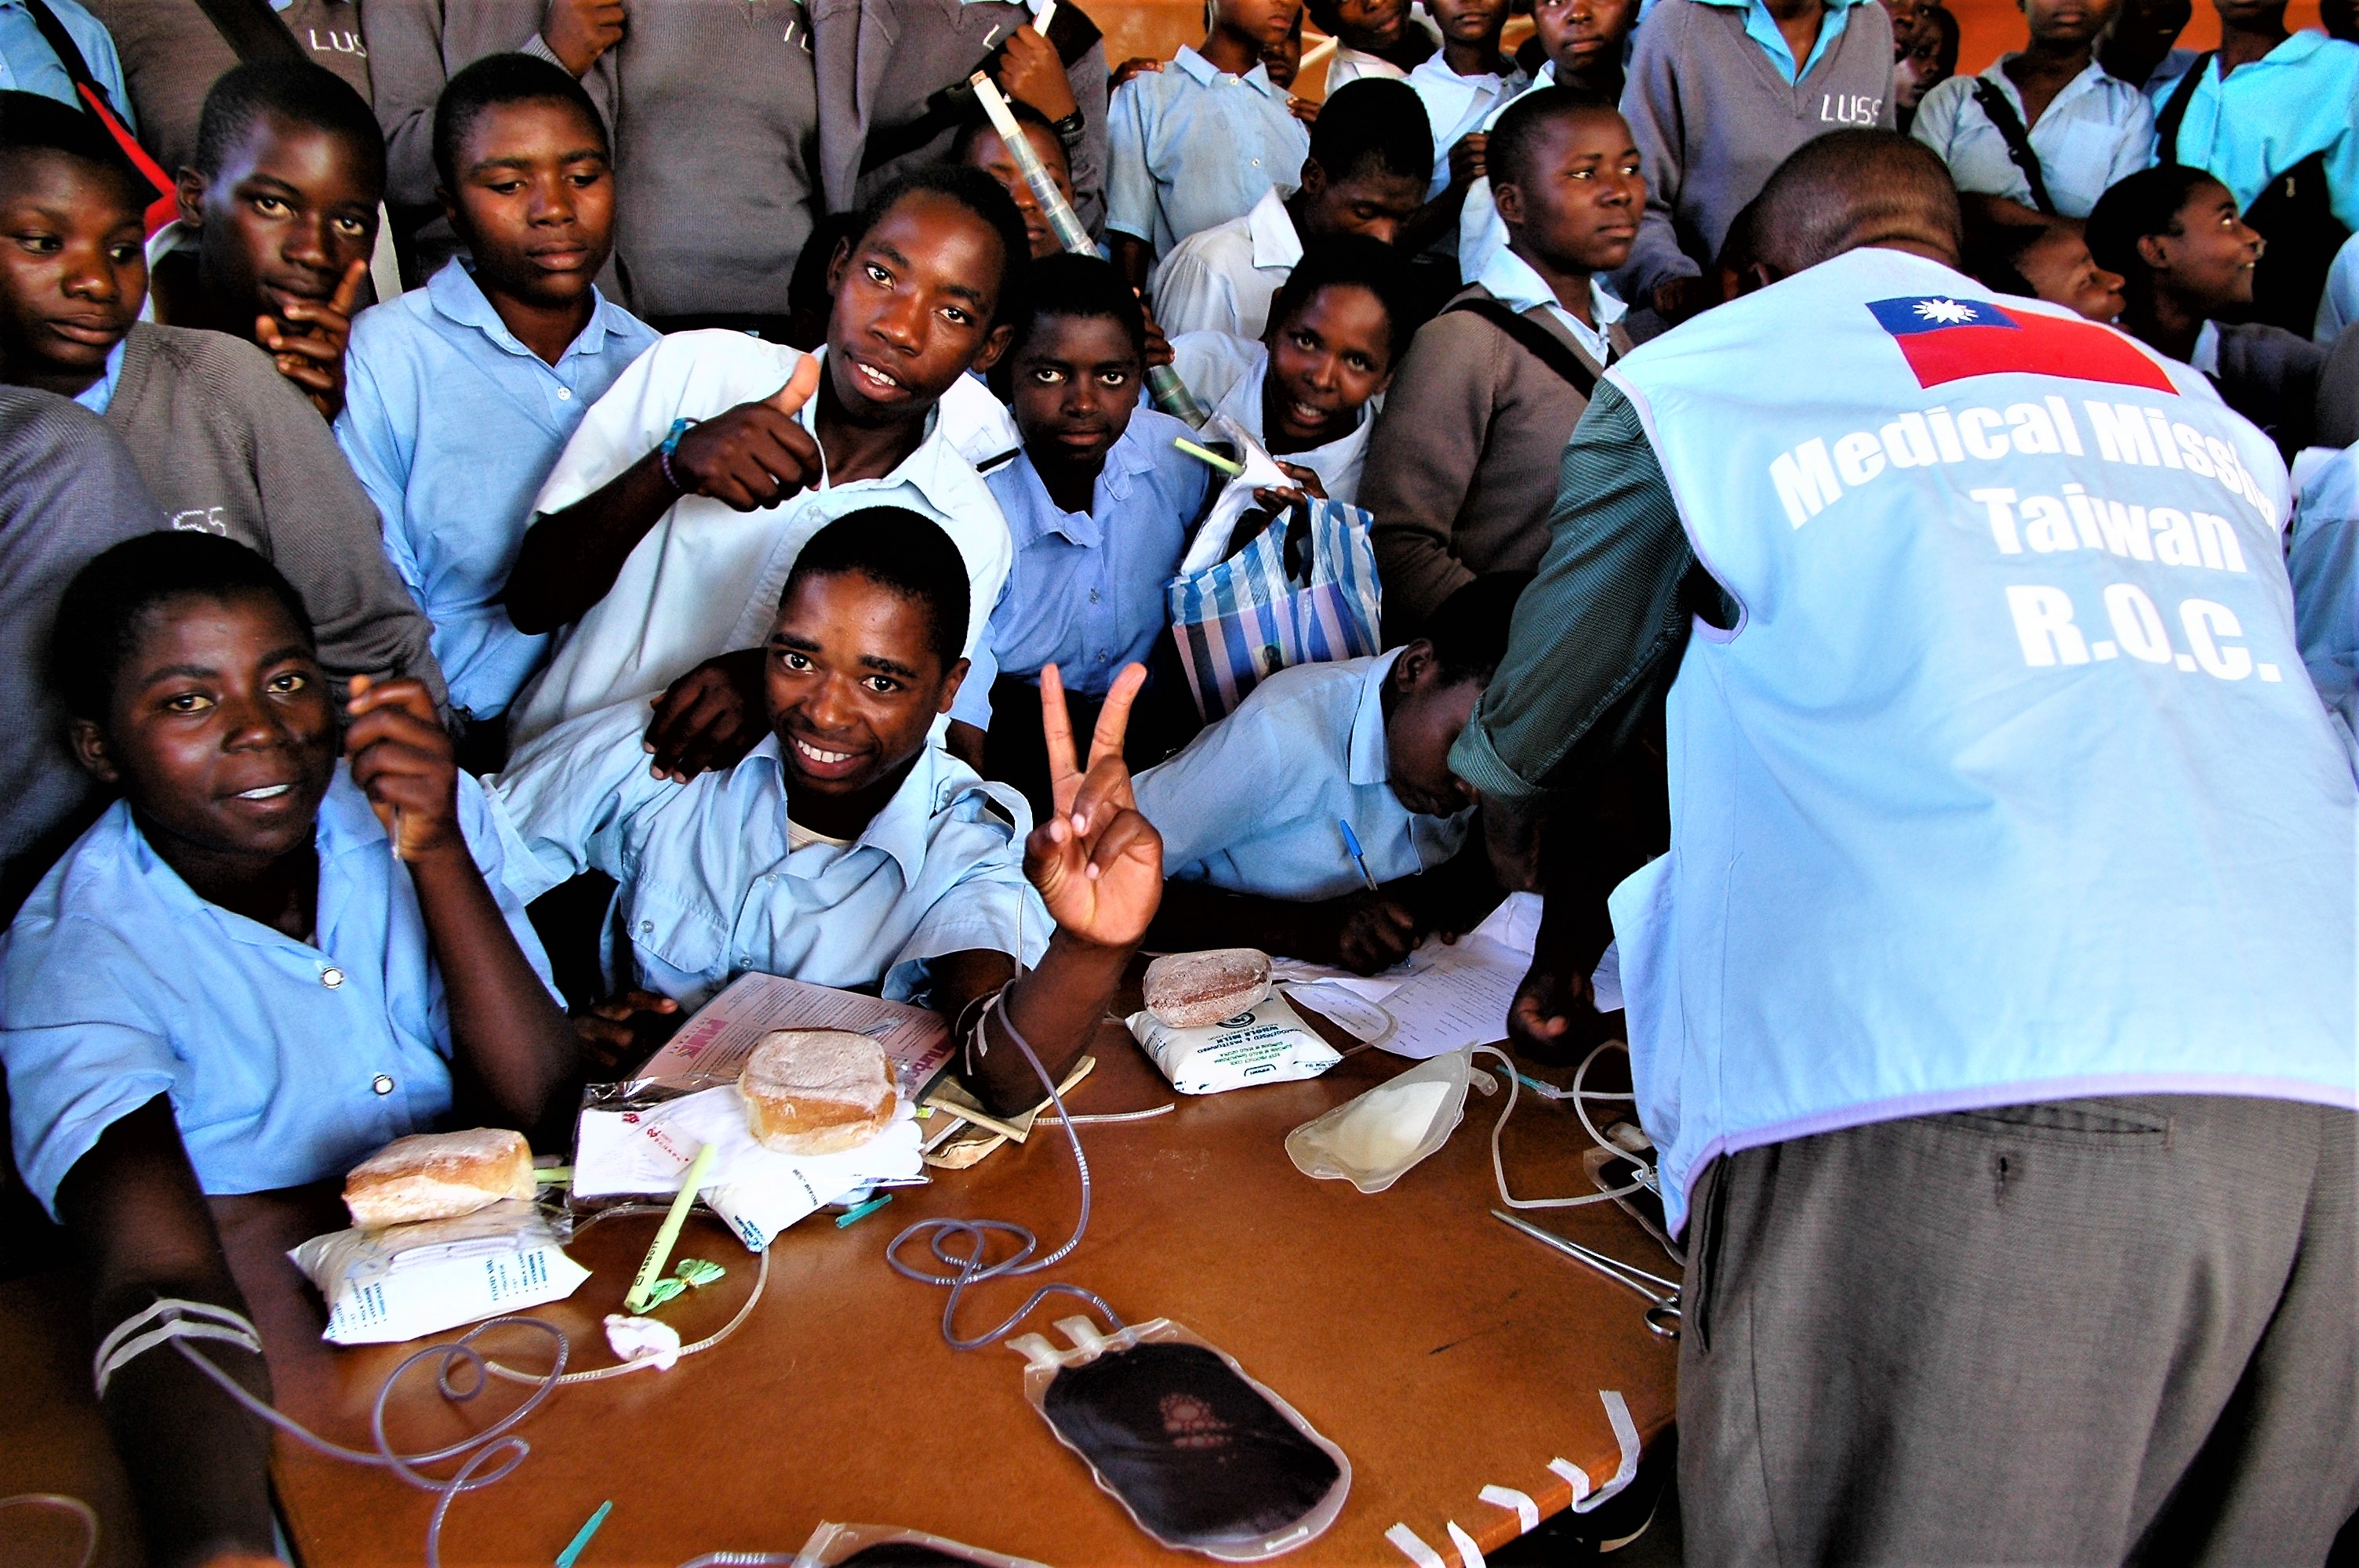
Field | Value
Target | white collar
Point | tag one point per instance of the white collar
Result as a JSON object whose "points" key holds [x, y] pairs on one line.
{"points": [[1512, 282], [1275, 242]]}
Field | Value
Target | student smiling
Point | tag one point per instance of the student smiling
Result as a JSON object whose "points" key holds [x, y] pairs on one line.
{"points": [[1304, 391], [710, 425], [230, 984], [281, 208], [846, 849]]}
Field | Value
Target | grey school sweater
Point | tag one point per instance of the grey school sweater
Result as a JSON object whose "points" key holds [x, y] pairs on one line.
{"points": [[228, 446], [172, 55], [1463, 464], [1714, 119], [68, 491]]}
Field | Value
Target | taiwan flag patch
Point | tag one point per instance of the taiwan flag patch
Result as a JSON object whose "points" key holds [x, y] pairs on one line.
{"points": [[1947, 340]]}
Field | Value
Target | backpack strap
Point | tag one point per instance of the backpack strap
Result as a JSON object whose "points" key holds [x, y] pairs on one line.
{"points": [[1069, 30], [1534, 339], [2166, 124], [110, 114], [251, 29], [2009, 126]]}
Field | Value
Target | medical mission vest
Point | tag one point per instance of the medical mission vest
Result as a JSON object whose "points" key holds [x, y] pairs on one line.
{"points": [[2007, 784]]}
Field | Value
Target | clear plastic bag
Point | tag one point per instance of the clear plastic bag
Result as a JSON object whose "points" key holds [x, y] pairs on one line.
{"points": [[1202, 1457], [408, 1281], [1373, 1140], [889, 1546]]}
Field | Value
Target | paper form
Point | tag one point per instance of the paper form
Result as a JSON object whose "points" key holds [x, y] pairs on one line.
{"points": [[712, 1047]]}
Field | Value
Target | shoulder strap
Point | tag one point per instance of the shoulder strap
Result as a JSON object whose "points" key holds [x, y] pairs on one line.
{"points": [[110, 114], [2166, 124], [1068, 29], [1534, 339], [61, 44], [2003, 120], [251, 29]]}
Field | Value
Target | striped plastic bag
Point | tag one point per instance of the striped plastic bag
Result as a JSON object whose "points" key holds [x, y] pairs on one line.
{"points": [[1302, 591]]}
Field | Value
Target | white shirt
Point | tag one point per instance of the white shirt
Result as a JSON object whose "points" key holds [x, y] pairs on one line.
{"points": [[1223, 278], [2096, 131], [706, 579], [1348, 65], [1512, 283], [1456, 106], [1227, 373], [1480, 232]]}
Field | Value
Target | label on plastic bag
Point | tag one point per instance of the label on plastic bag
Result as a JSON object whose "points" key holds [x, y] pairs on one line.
{"points": [[1267, 1044], [406, 1281]]}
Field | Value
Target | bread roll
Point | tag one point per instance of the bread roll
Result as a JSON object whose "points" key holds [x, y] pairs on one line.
{"points": [[1189, 990], [816, 1091], [438, 1176]]}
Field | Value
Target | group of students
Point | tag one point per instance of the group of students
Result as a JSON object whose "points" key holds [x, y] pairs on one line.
{"points": [[706, 564]]}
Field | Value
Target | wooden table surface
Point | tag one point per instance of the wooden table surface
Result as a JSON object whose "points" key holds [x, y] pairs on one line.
{"points": [[1442, 1350]]}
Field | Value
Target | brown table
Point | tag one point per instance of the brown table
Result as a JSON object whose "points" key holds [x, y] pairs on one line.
{"points": [[1442, 1350]]}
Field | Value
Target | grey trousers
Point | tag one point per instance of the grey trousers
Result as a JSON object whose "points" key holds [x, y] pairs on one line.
{"points": [[2116, 1331]]}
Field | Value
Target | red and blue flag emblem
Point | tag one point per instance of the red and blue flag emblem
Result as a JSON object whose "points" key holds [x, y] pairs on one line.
{"points": [[1946, 338]]}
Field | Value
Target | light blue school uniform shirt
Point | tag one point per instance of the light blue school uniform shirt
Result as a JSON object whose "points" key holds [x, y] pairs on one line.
{"points": [[1086, 590], [1189, 146], [715, 883], [1482, 232], [287, 1062], [2338, 305], [99, 395], [2322, 561], [2099, 130], [452, 425], [1251, 803], [1456, 106], [1762, 28], [2270, 116], [27, 64]]}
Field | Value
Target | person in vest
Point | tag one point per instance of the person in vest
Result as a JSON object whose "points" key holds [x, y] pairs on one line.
{"points": [[1992, 1010]]}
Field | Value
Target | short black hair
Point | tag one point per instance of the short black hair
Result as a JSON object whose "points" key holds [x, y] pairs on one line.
{"points": [[1067, 284], [900, 550], [1515, 139], [30, 123], [494, 80], [294, 89], [978, 194], [105, 611], [1994, 256], [978, 123], [1847, 189], [1353, 259], [1373, 121], [1469, 632], [2147, 202]]}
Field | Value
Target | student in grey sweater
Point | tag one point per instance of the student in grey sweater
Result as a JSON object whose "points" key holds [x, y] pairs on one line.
{"points": [[225, 443], [1717, 102], [1463, 464], [68, 491], [891, 75]]}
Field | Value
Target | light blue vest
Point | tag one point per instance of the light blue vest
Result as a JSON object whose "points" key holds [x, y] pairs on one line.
{"points": [[2008, 786]]}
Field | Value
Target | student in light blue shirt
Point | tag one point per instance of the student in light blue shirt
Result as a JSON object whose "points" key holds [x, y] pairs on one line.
{"points": [[1251, 812], [1197, 142], [28, 63], [1099, 503], [847, 850], [231, 983], [459, 395]]}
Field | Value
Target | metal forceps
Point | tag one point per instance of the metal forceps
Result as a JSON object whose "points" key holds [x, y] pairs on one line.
{"points": [[1662, 1311]]}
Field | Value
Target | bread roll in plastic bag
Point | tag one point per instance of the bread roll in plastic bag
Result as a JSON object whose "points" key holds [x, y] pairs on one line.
{"points": [[1372, 1140], [889, 1546], [1203, 1458]]}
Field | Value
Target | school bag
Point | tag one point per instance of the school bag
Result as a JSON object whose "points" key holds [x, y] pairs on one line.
{"points": [[2294, 212], [1299, 588]]}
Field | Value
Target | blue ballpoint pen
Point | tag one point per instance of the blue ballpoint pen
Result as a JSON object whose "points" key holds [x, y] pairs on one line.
{"points": [[1351, 842]]}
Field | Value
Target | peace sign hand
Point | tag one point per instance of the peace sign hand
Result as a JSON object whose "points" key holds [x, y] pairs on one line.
{"points": [[1097, 862]]}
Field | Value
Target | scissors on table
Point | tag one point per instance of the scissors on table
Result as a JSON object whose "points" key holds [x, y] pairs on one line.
{"points": [[1662, 1310]]}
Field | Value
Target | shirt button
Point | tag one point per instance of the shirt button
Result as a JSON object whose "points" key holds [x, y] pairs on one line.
{"points": [[1256, 163], [1093, 596], [646, 927], [333, 977], [382, 1084], [564, 392]]}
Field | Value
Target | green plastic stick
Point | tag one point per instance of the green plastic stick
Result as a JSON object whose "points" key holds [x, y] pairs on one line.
{"points": [[643, 1288]]}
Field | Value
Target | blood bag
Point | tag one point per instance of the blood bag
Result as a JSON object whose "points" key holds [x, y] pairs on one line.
{"points": [[1202, 1457], [889, 1546]]}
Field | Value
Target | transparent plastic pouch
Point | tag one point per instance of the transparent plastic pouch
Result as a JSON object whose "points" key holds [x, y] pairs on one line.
{"points": [[1373, 1140], [1202, 1457], [889, 1546], [408, 1281]]}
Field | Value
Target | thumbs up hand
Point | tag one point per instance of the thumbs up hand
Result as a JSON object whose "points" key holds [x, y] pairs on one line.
{"points": [[756, 454]]}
